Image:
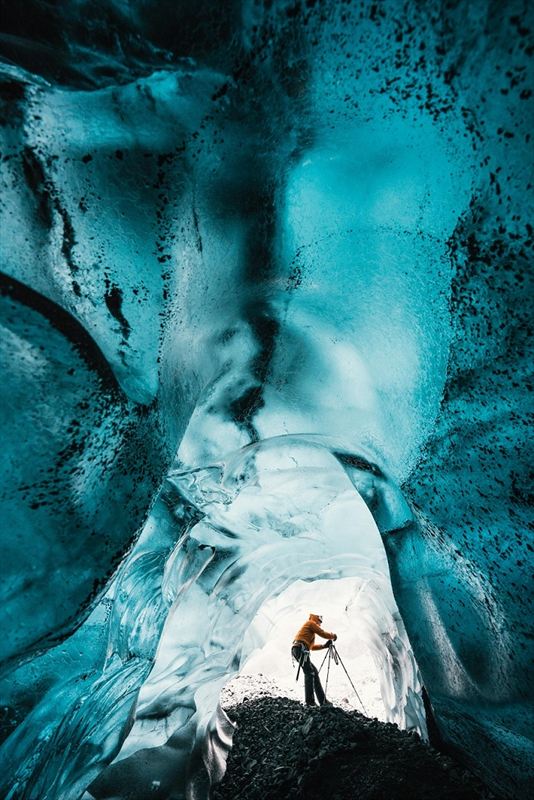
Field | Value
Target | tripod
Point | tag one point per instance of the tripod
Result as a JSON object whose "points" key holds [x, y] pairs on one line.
{"points": [[333, 655]]}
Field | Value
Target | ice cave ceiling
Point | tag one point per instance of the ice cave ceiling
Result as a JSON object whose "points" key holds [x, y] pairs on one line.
{"points": [[257, 255]]}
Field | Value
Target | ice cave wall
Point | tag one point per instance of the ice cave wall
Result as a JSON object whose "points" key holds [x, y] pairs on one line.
{"points": [[299, 218]]}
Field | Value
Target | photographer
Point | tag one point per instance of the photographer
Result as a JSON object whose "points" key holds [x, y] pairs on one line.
{"points": [[303, 643]]}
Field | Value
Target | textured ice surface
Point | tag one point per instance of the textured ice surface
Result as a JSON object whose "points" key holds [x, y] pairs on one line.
{"points": [[283, 252]]}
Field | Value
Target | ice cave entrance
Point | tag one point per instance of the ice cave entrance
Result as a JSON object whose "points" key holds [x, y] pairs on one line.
{"points": [[282, 532], [372, 643], [348, 607]]}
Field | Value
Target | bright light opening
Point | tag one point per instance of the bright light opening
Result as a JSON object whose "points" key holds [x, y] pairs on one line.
{"points": [[270, 669]]}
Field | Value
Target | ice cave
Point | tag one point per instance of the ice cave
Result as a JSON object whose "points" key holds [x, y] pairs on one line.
{"points": [[265, 319]]}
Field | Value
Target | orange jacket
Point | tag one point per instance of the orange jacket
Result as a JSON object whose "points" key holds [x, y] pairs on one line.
{"points": [[307, 633]]}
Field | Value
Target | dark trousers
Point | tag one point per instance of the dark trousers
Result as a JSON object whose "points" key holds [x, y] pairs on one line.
{"points": [[312, 682]]}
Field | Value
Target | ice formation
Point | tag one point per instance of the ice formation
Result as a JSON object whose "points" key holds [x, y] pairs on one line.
{"points": [[257, 264]]}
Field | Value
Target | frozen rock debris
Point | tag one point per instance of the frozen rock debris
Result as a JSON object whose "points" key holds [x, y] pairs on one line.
{"points": [[285, 751]]}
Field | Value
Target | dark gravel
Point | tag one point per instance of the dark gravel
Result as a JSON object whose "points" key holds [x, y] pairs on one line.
{"points": [[283, 751]]}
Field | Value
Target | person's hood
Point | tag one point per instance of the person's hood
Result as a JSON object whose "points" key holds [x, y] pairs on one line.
{"points": [[317, 618]]}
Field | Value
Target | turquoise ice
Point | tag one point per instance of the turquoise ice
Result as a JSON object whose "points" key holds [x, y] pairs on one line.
{"points": [[255, 267]]}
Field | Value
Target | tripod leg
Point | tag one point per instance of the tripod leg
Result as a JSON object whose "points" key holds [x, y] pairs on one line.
{"points": [[328, 669], [351, 683], [322, 662]]}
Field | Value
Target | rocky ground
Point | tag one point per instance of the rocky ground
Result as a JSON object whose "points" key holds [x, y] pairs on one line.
{"points": [[285, 751]]}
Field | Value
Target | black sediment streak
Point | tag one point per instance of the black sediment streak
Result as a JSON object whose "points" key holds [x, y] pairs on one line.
{"points": [[259, 267], [48, 201], [113, 300], [38, 184], [69, 239], [357, 462], [66, 324], [197, 230]]}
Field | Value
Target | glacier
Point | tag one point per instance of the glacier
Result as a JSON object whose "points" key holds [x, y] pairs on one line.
{"points": [[265, 318]]}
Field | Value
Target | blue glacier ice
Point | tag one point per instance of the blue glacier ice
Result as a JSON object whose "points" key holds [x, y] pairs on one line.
{"points": [[259, 266]]}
